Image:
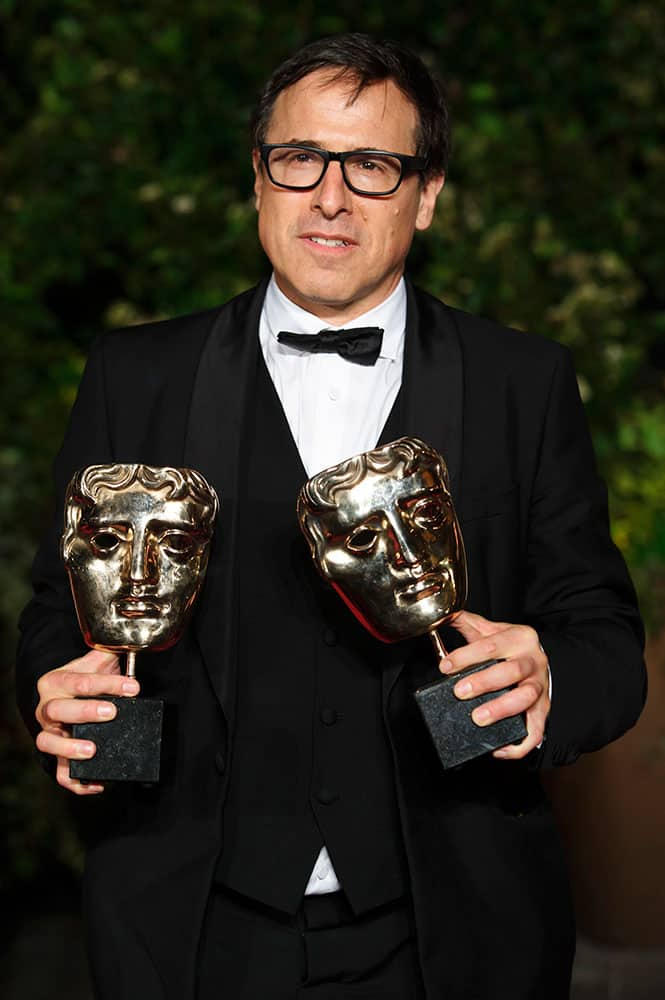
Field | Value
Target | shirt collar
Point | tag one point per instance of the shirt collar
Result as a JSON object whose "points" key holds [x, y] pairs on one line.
{"points": [[281, 313]]}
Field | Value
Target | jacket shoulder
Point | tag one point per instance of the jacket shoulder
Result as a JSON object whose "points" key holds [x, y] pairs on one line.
{"points": [[186, 332], [486, 338]]}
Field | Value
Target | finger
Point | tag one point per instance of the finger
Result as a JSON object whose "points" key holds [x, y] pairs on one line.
{"points": [[536, 719], [477, 651], [494, 678], [510, 641], [517, 751], [533, 739], [73, 784], [57, 687], [519, 699], [63, 746], [64, 683], [76, 710], [473, 626]]}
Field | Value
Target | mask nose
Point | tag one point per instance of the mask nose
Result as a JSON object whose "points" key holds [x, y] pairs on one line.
{"points": [[143, 558], [408, 546]]}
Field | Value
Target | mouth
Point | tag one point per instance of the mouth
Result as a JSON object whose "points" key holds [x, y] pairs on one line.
{"points": [[421, 589], [334, 242], [140, 607]]}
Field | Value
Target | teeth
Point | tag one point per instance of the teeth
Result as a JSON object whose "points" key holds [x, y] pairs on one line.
{"points": [[328, 243]]}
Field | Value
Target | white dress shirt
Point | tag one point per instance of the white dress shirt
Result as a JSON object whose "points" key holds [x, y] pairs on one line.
{"points": [[335, 408]]}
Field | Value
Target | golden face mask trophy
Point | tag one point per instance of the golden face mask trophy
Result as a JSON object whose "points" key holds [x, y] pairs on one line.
{"points": [[135, 546], [383, 532]]}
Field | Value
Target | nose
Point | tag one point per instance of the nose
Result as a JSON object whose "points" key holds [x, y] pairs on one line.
{"points": [[331, 195], [408, 546], [143, 559]]}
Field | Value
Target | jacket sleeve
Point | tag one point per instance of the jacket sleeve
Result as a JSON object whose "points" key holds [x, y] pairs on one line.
{"points": [[578, 594], [49, 632]]}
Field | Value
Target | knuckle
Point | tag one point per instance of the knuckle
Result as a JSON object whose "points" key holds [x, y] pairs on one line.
{"points": [[530, 634], [530, 690], [81, 684]]}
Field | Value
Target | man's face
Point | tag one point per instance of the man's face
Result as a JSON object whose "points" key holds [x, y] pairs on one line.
{"points": [[393, 551], [336, 253], [136, 566]]}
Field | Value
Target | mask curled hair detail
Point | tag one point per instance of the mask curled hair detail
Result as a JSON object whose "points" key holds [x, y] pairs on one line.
{"points": [[404, 455], [86, 484]]}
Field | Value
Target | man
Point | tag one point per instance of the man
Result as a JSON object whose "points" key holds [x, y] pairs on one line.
{"points": [[308, 841]]}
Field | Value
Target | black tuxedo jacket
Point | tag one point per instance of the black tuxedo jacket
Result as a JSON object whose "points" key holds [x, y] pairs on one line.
{"points": [[485, 867]]}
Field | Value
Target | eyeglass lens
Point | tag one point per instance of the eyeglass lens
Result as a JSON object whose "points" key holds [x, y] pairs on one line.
{"points": [[374, 173]]}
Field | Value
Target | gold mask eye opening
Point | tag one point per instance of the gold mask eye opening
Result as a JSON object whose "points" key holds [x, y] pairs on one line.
{"points": [[178, 543], [104, 543], [362, 540]]}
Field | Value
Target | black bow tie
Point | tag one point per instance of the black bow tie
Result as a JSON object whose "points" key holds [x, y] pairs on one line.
{"points": [[361, 345]]}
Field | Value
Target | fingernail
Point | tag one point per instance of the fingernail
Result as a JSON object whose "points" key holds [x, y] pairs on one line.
{"points": [[500, 753], [445, 666], [481, 716], [105, 711], [464, 689], [84, 749], [130, 687]]}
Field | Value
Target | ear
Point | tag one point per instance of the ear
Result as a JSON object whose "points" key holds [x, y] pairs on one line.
{"points": [[428, 195], [258, 178]]}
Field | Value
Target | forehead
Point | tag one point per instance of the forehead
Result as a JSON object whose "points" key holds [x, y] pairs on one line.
{"points": [[381, 493], [136, 504], [322, 109]]}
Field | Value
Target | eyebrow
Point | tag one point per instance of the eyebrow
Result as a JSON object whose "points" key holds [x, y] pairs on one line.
{"points": [[306, 142], [314, 144]]}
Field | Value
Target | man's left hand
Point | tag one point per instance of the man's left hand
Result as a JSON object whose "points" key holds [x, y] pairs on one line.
{"points": [[525, 667]]}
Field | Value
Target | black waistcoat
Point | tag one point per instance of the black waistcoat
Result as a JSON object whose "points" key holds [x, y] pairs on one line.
{"points": [[310, 762]]}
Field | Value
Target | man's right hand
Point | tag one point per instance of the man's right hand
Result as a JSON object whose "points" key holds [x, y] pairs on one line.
{"points": [[68, 695]]}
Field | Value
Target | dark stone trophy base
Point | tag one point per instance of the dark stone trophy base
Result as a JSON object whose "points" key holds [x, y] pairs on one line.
{"points": [[455, 735], [128, 746]]}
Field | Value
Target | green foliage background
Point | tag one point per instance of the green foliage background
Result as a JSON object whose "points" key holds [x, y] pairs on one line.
{"points": [[125, 190]]}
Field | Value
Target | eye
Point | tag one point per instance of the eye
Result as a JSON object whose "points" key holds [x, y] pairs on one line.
{"points": [[362, 540], [178, 543], [431, 512], [104, 543]]}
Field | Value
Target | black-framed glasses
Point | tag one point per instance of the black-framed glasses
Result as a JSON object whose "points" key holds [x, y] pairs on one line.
{"points": [[365, 171]]}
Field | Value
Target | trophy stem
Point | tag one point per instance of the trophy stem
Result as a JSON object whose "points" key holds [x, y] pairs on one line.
{"points": [[131, 665], [438, 645]]}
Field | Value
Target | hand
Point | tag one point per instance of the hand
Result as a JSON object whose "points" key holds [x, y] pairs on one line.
{"points": [[61, 705], [525, 666]]}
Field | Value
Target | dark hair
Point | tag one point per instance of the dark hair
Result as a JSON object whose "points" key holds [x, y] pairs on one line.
{"points": [[367, 60]]}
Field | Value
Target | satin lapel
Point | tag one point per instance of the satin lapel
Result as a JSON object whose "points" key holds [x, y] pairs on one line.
{"points": [[214, 446], [433, 380], [432, 402]]}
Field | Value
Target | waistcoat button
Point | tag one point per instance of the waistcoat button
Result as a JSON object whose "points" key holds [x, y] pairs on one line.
{"points": [[328, 716], [330, 637], [220, 762]]}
